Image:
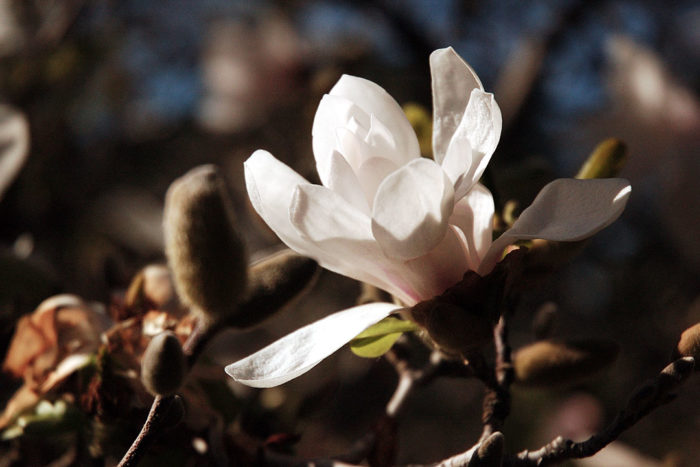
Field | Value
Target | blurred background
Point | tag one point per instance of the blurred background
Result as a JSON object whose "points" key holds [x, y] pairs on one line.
{"points": [[124, 97]]}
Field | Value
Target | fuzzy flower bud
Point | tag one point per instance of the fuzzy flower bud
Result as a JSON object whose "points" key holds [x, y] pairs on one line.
{"points": [[163, 365], [203, 247], [550, 362]]}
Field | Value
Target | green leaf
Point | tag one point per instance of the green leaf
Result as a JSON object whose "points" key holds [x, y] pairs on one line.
{"points": [[377, 339], [388, 325]]}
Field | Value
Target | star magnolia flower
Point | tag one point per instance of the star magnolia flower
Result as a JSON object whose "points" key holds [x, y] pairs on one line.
{"points": [[385, 215]]}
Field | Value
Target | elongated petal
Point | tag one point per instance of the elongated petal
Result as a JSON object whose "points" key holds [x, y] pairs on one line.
{"points": [[341, 236], [298, 352], [411, 208], [565, 210], [482, 123], [452, 84], [271, 186], [474, 215], [374, 100]]}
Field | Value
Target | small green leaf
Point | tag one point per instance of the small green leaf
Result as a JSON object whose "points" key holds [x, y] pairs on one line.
{"points": [[373, 347], [377, 339], [388, 325]]}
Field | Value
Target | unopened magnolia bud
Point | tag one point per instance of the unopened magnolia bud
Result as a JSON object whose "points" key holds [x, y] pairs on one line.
{"points": [[689, 343], [275, 281], [606, 160], [422, 123], [490, 452], [549, 362], [203, 247], [163, 365], [545, 320]]}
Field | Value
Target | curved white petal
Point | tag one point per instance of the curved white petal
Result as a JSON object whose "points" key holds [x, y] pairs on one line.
{"points": [[372, 173], [452, 84], [565, 210], [411, 207], [442, 267], [271, 186], [473, 214], [342, 180], [374, 100], [482, 124], [298, 352], [341, 236], [333, 113]]}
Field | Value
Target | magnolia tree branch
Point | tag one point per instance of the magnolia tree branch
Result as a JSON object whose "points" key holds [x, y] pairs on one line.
{"points": [[647, 397]]}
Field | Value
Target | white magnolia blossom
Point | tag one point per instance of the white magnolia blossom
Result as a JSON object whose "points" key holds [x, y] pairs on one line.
{"points": [[386, 216]]}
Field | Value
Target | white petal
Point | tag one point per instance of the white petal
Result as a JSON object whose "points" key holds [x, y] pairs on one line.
{"points": [[374, 100], [565, 210], [411, 207], [457, 164], [452, 84], [271, 186], [341, 236], [482, 123], [442, 267], [474, 215], [372, 173], [342, 180], [333, 112], [298, 352]]}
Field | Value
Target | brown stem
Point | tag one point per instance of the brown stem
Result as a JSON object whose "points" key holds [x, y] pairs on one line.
{"points": [[159, 409], [497, 397]]}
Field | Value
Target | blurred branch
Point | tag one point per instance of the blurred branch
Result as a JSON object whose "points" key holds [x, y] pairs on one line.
{"points": [[647, 397]]}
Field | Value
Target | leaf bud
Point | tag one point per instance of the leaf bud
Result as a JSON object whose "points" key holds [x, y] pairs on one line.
{"points": [[606, 160], [204, 249], [689, 343], [551, 363], [163, 365]]}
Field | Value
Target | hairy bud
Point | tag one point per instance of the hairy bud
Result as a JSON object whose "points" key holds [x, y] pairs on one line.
{"points": [[689, 343], [550, 362], [163, 365], [275, 281], [203, 247]]}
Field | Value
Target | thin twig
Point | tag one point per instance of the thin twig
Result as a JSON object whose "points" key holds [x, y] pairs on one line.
{"points": [[497, 397]]}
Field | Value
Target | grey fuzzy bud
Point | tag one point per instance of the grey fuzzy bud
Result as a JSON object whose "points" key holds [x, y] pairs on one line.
{"points": [[163, 365], [203, 247]]}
